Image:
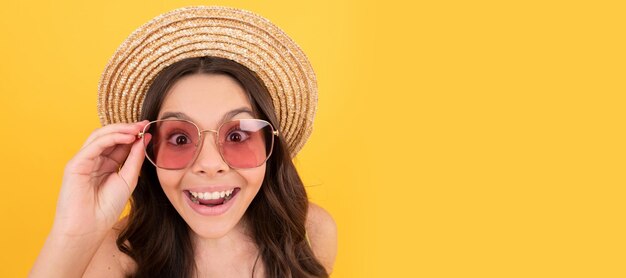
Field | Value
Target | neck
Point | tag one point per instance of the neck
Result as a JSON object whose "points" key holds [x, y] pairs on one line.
{"points": [[231, 255]]}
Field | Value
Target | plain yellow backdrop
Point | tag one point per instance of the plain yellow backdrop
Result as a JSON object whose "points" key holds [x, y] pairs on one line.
{"points": [[453, 138]]}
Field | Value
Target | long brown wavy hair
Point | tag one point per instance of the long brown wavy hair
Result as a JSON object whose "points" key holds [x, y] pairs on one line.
{"points": [[157, 237]]}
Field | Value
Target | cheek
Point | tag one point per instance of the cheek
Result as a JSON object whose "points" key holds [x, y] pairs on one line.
{"points": [[254, 177], [168, 179]]}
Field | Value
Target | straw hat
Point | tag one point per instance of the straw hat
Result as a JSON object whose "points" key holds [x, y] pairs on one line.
{"points": [[234, 34]]}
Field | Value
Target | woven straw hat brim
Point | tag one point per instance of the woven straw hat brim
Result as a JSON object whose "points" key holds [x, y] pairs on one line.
{"points": [[234, 34]]}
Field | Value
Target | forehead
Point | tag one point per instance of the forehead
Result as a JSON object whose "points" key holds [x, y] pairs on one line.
{"points": [[205, 97]]}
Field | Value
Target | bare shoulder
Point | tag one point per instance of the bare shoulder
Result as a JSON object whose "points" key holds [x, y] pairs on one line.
{"points": [[322, 233], [109, 261]]}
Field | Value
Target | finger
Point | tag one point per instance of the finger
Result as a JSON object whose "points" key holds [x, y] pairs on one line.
{"points": [[119, 127], [127, 129], [119, 154], [132, 166], [103, 145]]}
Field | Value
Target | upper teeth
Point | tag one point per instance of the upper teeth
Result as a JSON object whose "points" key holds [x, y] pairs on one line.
{"points": [[211, 195]]}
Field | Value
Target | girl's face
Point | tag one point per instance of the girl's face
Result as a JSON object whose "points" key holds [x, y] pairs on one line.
{"points": [[208, 100]]}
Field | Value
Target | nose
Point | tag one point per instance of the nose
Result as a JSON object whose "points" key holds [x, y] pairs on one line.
{"points": [[209, 161]]}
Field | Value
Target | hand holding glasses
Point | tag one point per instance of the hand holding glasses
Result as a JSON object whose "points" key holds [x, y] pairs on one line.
{"points": [[100, 178]]}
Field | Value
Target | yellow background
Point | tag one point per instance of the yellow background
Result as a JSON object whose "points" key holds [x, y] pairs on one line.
{"points": [[453, 138]]}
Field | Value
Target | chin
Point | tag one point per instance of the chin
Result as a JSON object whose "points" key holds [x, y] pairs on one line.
{"points": [[206, 231]]}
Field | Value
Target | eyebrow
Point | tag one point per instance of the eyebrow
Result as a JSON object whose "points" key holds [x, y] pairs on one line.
{"points": [[229, 115]]}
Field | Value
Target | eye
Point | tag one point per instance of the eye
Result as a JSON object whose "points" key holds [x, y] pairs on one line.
{"points": [[237, 136], [179, 139]]}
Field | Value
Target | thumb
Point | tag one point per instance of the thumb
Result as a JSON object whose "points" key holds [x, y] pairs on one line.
{"points": [[131, 168]]}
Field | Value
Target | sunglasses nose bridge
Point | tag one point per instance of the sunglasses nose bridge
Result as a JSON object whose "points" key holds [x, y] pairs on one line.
{"points": [[201, 142], [215, 134], [201, 132], [202, 148]]}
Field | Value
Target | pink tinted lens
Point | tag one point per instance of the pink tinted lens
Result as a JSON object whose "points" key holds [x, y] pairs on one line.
{"points": [[245, 143], [171, 144]]}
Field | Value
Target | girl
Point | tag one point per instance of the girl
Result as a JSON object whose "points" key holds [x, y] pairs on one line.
{"points": [[225, 101]]}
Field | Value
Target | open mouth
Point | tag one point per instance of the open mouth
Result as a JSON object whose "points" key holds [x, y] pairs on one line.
{"points": [[212, 199]]}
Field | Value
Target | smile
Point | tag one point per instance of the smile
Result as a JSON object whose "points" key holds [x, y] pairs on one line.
{"points": [[212, 199]]}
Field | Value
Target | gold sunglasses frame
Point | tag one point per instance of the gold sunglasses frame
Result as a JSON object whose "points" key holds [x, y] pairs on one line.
{"points": [[201, 141]]}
